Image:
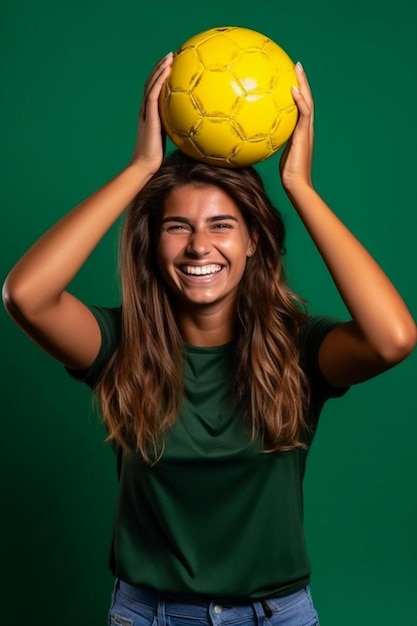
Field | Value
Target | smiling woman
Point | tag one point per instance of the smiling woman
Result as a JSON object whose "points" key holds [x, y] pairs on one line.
{"points": [[202, 249], [211, 375]]}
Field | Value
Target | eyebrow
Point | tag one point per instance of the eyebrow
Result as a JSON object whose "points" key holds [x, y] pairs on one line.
{"points": [[184, 220]]}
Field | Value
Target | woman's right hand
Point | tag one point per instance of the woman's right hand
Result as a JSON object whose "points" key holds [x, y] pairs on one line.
{"points": [[149, 151]]}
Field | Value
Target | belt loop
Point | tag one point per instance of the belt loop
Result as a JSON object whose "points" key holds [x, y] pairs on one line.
{"points": [[267, 609], [160, 613], [258, 607], [113, 594]]}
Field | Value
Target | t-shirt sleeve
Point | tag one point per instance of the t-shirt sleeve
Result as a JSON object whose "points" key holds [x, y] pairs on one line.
{"points": [[313, 334], [109, 320]]}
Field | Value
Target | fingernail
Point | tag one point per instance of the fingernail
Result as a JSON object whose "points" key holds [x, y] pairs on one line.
{"points": [[294, 88], [299, 66]]}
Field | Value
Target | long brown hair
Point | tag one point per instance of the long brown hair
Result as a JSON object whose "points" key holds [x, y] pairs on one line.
{"points": [[141, 389]]}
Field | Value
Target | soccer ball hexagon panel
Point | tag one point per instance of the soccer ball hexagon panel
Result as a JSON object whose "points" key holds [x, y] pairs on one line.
{"points": [[227, 100]]}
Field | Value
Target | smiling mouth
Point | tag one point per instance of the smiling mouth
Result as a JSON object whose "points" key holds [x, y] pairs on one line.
{"points": [[201, 270]]}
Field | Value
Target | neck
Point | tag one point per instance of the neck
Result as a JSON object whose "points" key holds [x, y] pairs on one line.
{"points": [[205, 328]]}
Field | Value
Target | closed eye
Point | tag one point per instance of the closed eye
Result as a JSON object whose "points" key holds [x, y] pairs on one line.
{"points": [[221, 226], [177, 228]]}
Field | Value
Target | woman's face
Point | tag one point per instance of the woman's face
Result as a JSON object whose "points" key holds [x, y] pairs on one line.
{"points": [[203, 245]]}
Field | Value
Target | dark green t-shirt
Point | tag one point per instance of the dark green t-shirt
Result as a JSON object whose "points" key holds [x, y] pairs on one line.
{"points": [[215, 516]]}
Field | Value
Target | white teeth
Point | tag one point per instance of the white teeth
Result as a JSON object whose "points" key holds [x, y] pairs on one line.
{"points": [[201, 270]]}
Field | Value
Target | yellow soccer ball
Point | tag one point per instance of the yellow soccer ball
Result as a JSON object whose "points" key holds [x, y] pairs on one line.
{"points": [[227, 100]]}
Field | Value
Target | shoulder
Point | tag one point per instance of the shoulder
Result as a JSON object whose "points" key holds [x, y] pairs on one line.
{"points": [[314, 331], [109, 321]]}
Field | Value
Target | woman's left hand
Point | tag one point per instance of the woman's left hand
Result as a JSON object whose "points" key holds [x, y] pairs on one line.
{"points": [[296, 161]]}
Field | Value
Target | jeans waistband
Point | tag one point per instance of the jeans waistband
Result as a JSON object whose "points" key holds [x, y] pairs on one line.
{"points": [[198, 606]]}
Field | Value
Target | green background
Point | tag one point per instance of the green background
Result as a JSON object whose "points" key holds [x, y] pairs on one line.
{"points": [[73, 74]]}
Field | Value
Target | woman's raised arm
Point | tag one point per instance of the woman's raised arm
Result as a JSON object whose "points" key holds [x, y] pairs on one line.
{"points": [[34, 293], [382, 331]]}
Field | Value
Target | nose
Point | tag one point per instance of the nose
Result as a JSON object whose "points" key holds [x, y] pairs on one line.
{"points": [[199, 244]]}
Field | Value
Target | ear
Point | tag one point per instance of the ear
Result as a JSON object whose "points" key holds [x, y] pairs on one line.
{"points": [[252, 244]]}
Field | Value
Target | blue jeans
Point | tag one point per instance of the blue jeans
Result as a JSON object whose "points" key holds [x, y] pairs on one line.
{"points": [[134, 606]]}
